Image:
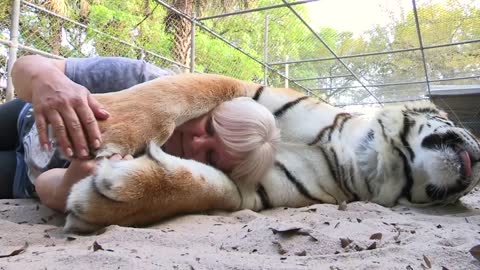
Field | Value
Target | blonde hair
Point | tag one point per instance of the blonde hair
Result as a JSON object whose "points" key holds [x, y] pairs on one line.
{"points": [[249, 133]]}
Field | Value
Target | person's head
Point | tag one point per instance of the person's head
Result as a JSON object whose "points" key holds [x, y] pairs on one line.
{"points": [[238, 137]]}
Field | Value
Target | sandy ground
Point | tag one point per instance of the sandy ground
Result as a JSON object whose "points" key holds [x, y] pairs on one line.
{"points": [[315, 237]]}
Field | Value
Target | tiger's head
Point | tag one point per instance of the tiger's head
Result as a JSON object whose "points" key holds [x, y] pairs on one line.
{"points": [[441, 161]]}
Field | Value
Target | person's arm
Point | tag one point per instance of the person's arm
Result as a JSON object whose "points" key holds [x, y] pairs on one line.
{"points": [[53, 186], [27, 69], [66, 105], [52, 190]]}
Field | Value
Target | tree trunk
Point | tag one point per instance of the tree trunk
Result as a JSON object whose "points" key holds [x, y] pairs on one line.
{"points": [[56, 36], [56, 24], [181, 29]]}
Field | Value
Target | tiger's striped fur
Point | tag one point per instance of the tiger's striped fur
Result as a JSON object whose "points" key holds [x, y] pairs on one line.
{"points": [[410, 154]]}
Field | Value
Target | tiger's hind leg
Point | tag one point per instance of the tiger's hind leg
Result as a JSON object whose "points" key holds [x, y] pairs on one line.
{"points": [[145, 190]]}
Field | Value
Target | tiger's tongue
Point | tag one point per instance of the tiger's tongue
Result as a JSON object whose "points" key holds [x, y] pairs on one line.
{"points": [[467, 164]]}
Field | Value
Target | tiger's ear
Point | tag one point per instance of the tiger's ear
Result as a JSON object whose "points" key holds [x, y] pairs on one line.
{"points": [[390, 120]]}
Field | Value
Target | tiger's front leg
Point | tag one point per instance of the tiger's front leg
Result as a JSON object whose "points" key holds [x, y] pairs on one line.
{"points": [[151, 110], [147, 189]]}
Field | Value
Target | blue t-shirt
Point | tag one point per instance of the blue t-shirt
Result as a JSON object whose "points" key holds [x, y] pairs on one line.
{"points": [[99, 75]]}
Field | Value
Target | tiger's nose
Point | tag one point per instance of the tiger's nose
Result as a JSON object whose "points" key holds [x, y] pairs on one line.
{"points": [[439, 140]]}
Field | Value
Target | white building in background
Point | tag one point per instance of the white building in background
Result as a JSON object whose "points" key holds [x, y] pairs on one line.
{"points": [[461, 102]]}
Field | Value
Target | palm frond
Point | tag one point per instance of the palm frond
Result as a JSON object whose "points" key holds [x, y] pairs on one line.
{"points": [[60, 7]]}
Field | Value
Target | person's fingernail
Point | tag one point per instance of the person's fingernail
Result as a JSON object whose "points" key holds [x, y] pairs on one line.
{"points": [[84, 152], [46, 147], [105, 112], [96, 144], [50, 133], [69, 152], [99, 158]]}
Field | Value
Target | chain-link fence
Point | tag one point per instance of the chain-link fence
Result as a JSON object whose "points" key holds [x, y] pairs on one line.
{"points": [[344, 52]]}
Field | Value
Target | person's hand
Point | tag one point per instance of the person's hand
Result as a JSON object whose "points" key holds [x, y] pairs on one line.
{"points": [[71, 111]]}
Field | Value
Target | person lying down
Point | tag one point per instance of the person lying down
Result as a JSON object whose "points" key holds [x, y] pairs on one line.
{"points": [[410, 154], [236, 137]]}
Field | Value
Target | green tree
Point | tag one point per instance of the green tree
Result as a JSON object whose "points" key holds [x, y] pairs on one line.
{"points": [[440, 24], [150, 26]]}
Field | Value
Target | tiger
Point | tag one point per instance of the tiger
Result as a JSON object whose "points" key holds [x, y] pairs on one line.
{"points": [[409, 154]]}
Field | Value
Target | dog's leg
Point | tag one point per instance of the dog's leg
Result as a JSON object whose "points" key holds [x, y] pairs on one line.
{"points": [[147, 189]]}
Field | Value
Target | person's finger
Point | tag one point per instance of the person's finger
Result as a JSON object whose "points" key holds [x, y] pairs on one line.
{"points": [[79, 169], [90, 126], [97, 108], [60, 132], [42, 129], [116, 157], [87, 167], [128, 157], [75, 132]]}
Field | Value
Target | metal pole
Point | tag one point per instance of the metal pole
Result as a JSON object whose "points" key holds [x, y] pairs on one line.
{"points": [[31, 50], [192, 45], [12, 51], [213, 33], [265, 51], [101, 33], [245, 11], [287, 75], [420, 42], [319, 38], [375, 53]]}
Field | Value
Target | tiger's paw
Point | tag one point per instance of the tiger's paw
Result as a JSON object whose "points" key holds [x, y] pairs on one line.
{"points": [[104, 198], [74, 224], [108, 150], [168, 162], [86, 207], [114, 179]]}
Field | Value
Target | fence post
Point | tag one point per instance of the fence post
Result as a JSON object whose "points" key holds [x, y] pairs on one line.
{"points": [[12, 51], [192, 44], [265, 51]]}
